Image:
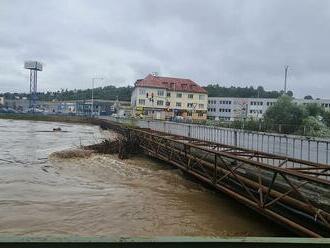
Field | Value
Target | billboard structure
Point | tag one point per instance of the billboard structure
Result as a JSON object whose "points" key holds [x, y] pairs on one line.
{"points": [[34, 67]]}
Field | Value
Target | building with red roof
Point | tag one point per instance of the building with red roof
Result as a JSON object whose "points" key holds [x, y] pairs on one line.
{"points": [[167, 97]]}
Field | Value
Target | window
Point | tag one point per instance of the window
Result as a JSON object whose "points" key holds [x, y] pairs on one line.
{"points": [[178, 104], [200, 114], [178, 95], [168, 94], [142, 91], [160, 92], [201, 97], [189, 113], [201, 106], [191, 96], [142, 101], [190, 105], [160, 103]]}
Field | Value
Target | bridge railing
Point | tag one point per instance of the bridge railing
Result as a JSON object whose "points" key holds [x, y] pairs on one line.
{"points": [[299, 147]]}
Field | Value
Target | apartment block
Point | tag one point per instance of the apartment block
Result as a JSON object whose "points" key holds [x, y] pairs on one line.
{"points": [[166, 97]]}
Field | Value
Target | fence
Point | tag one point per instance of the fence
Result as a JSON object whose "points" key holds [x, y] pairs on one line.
{"points": [[299, 147]]}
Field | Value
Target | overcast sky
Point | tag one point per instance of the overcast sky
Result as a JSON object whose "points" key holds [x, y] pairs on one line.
{"points": [[238, 43]]}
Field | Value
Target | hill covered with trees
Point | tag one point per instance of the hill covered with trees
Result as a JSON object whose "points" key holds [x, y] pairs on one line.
{"points": [[215, 90], [124, 93], [105, 93]]}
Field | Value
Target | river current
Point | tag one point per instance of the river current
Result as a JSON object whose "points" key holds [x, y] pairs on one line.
{"points": [[103, 196]]}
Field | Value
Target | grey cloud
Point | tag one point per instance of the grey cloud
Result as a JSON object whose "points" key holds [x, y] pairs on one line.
{"points": [[229, 42]]}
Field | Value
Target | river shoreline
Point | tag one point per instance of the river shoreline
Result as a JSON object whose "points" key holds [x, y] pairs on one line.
{"points": [[50, 118]]}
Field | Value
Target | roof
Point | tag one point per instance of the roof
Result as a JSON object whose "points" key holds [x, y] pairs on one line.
{"points": [[169, 83]]}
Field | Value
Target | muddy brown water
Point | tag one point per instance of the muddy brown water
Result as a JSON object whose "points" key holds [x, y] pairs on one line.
{"points": [[103, 196]]}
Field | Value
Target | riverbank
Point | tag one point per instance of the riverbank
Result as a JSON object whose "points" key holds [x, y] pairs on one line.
{"points": [[52, 118]]}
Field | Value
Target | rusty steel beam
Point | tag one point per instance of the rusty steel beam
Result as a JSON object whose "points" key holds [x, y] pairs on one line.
{"points": [[295, 173], [253, 152], [278, 193], [274, 193], [299, 229], [299, 204]]}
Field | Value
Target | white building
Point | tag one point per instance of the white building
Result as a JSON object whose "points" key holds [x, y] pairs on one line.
{"points": [[233, 108], [2, 101], [165, 97]]}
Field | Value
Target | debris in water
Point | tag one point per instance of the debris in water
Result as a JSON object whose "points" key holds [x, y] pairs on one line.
{"points": [[106, 147], [123, 145], [72, 153], [57, 129]]}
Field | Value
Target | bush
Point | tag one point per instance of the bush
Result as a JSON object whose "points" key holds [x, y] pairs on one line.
{"points": [[313, 126]]}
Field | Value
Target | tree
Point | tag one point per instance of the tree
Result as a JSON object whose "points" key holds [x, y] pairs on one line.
{"points": [[289, 93], [308, 97], [214, 90], [326, 118], [286, 113], [314, 109], [312, 126]]}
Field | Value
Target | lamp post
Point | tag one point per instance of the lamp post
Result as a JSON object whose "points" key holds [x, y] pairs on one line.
{"points": [[93, 79]]}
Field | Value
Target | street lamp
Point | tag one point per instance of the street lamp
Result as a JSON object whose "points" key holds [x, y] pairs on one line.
{"points": [[93, 79]]}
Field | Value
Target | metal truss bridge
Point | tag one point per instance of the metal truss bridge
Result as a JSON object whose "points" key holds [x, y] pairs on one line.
{"points": [[291, 192]]}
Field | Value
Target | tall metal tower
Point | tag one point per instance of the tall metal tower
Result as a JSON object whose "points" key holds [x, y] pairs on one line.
{"points": [[34, 67]]}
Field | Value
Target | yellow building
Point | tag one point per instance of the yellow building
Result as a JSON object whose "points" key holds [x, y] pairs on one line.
{"points": [[165, 98]]}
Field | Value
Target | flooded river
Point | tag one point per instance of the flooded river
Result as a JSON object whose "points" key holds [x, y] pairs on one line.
{"points": [[103, 196]]}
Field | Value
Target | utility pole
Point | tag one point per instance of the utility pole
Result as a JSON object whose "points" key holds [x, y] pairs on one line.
{"points": [[285, 77], [93, 79]]}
